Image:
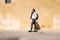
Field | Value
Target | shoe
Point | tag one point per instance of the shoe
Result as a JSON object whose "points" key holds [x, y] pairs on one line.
{"points": [[30, 31], [35, 31]]}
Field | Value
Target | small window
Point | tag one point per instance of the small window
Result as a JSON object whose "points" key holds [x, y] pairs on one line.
{"points": [[7, 1]]}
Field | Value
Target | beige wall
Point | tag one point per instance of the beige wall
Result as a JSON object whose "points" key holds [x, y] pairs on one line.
{"points": [[17, 14]]}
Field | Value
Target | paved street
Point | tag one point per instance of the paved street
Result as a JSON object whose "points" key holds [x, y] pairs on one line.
{"points": [[24, 35]]}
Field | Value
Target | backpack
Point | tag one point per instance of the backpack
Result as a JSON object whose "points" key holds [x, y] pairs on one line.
{"points": [[37, 16]]}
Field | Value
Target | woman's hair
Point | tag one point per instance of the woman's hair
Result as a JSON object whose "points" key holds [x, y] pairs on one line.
{"points": [[33, 10]]}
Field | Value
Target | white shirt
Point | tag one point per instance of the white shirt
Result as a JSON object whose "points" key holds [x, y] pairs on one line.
{"points": [[34, 15]]}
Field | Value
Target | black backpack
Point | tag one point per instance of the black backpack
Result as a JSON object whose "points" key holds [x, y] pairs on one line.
{"points": [[37, 16]]}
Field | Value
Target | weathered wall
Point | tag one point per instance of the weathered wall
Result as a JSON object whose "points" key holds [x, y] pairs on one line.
{"points": [[16, 15]]}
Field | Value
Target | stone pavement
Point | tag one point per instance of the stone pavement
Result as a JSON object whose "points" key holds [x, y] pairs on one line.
{"points": [[25, 35]]}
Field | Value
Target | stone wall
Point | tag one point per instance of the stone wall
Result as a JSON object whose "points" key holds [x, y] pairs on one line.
{"points": [[16, 14]]}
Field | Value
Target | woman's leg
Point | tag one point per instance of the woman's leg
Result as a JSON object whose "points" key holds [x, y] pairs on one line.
{"points": [[31, 25], [35, 29]]}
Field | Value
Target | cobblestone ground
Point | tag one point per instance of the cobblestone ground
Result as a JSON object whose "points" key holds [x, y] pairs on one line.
{"points": [[25, 35]]}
